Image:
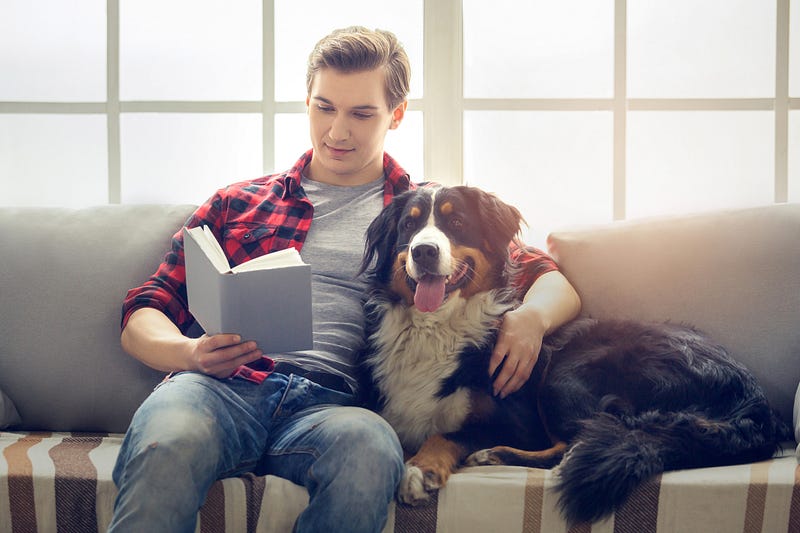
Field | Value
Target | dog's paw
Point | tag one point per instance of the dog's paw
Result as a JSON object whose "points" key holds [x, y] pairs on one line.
{"points": [[417, 486], [483, 458]]}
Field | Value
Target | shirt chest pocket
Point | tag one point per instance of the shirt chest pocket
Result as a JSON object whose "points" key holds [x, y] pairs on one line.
{"points": [[246, 241]]}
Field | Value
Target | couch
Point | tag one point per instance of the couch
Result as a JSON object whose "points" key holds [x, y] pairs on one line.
{"points": [[68, 391]]}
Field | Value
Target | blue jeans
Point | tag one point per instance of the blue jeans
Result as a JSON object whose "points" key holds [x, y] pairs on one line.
{"points": [[194, 429]]}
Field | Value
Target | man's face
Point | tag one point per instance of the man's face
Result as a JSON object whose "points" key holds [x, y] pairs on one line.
{"points": [[349, 118]]}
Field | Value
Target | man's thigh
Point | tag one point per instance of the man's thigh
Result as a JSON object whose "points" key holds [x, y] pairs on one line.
{"points": [[227, 420], [348, 439]]}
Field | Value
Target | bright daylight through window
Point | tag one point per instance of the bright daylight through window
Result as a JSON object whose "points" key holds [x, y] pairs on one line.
{"points": [[596, 109]]}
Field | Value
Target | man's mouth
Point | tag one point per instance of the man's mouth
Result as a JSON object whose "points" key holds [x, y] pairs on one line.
{"points": [[338, 152], [431, 290]]}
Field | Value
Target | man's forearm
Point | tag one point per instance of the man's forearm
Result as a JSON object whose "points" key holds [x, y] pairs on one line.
{"points": [[153, 339], [553, 301]]}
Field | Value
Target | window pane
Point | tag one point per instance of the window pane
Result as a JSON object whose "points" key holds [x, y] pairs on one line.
{"points": [[292, 45], [291, 139], [190, 50], [794, 51], [680, 162], [538, 49], [53, 50], [184, 158], [404, 144], [53, 160], [701, 49], [556, 167], [794, 156]]}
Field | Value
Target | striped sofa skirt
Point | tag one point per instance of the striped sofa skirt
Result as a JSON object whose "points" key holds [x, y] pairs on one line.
{"points": [[61, 482]]}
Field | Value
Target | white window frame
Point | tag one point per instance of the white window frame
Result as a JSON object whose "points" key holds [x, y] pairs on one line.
{"points": [[446, 146], [443, 104]]}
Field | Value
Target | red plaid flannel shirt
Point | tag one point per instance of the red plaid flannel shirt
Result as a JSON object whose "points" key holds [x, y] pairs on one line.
{"points": [[255, 217]]}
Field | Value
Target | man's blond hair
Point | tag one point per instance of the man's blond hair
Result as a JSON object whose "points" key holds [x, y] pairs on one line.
{"points": [[356, 49]]}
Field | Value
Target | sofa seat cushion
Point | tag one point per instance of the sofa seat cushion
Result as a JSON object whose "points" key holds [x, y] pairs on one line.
{"points": [[62, 481]]}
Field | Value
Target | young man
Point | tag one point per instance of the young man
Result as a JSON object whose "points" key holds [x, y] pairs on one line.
{"points": [[225, 410]]}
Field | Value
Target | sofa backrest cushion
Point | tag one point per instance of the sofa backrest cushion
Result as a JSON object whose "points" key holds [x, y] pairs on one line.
{"points": [[63, 276], [734, 274]]}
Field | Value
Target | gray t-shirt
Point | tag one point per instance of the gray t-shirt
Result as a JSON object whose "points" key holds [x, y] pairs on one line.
{"points": [[334, 247]]}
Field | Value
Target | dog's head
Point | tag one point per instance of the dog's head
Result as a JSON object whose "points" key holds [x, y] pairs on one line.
{"points": [[429, 243]]}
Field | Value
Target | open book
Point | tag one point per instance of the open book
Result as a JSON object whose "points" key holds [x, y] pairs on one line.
{"points": [[266, 299]]}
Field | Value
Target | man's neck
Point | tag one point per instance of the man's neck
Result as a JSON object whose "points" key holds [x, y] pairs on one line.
{"points": [[351, 179]]}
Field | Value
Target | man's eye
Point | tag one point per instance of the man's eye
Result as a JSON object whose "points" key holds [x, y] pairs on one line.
{"points": [[325, 108], [362, 116]]}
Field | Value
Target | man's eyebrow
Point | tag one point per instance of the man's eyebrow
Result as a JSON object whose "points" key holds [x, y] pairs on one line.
{"points": [[364, 107]]}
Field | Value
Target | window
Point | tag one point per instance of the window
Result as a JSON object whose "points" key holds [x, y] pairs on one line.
{"points": [[606, 109], [150, 101], [578, 111]]}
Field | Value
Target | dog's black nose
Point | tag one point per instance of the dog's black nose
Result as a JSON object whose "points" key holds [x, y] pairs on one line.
{"points": [[426, 255]]}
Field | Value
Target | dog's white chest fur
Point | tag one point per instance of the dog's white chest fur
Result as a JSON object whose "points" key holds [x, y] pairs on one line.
{"points": [[416, 351]]}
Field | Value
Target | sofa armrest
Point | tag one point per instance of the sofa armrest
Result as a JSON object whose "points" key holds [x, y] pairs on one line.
{"points": [[734, 274]]}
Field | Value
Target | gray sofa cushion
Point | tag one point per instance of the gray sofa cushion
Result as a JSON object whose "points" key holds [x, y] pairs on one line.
{"points": [[730, 273], [63, 276]]}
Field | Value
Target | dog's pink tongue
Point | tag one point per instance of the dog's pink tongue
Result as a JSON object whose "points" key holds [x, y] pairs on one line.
{"points": [[430, 293]]}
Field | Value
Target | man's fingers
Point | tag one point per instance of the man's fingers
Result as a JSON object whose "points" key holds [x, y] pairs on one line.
{"points": [[220, 355], [496, 360], [228, 367], [517, 380], [500, 352], [506, 374], [216, 342]]}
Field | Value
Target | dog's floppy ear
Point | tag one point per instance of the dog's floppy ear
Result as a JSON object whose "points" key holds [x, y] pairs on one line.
{"points": [[381, 238], [502, 220]]}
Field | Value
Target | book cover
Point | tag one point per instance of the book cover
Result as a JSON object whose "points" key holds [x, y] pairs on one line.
{"points": [[267, 299]]}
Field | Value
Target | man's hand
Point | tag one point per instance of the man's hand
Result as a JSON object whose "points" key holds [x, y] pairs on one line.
{"points": [[153, 339], [518, 344], [549, 303], [221, 355]]}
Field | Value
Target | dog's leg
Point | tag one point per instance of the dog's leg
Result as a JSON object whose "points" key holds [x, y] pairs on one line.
{"points": [[504, 455], [429, 469]]}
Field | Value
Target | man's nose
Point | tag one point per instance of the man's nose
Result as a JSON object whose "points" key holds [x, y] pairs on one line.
{"points": [[340, 128]]}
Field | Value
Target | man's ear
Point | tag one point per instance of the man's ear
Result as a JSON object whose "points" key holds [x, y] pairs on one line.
{"points": [[398, 114]]}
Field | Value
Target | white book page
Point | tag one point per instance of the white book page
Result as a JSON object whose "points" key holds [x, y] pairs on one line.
{"points": [[211, 248], [279, 259]]}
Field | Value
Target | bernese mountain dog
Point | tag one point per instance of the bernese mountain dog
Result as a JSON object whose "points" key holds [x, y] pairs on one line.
{"points": [[610, 403]]}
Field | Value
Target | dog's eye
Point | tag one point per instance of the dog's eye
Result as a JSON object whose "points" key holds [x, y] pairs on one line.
{"points": [[409, 223], [456, 223]]}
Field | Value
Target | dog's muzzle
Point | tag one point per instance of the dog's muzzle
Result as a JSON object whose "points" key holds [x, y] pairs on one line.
{"points": [[431, 288]]}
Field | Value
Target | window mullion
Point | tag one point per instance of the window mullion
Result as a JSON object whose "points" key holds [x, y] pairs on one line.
{"points": [[443, 98], [620, 108], [112, 103], [782, 102], [268, 107]]}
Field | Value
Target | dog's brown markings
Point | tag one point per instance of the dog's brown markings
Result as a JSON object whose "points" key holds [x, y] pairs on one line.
{"points": [[505, 455], [446, 208], [481, 279], [437, 458], [398, 283], [414, 212], [482, 406]]}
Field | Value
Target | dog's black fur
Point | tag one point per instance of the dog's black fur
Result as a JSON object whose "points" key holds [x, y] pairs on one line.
{"points": [[613, 403]]}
